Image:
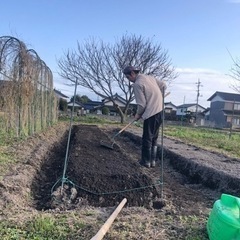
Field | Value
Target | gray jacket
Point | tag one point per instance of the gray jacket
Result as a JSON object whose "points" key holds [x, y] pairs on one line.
{"points": [[148, 94]]}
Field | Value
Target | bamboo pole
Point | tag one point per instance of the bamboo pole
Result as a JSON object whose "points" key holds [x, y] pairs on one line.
{"points": [[103, 230]]}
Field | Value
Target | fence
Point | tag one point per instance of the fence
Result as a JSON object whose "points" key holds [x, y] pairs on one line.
{"points": [[27, 100]]}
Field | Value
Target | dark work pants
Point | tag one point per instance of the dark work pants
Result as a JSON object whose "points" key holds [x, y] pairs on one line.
{"points": [[151, 130]]}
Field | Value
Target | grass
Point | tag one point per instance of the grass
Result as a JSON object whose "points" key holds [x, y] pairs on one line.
{"points": [[89, 119], [45, 226], [209, 139], [6, 157], [64, 227], [77, 225]]}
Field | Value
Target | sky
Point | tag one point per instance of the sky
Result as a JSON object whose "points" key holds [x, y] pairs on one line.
{"points": [[202, 37]]}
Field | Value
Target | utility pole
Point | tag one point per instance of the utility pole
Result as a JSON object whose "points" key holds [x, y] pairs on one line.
{"points": [[182, 111], [198, 95], [231, 126]]}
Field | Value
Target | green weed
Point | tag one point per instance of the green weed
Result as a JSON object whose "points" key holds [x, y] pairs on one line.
{"points": [[42, 228]]}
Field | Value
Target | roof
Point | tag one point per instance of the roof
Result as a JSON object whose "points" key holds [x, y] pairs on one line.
{"points": [[59, 93], [170, 103], [76, 104], [115, 96], [187, 105], [92, 105], [226, 96], [206, 110]]}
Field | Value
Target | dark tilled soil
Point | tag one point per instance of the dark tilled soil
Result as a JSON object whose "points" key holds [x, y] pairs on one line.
{"points": [[186, 181], [107, 175], [102, 177]]}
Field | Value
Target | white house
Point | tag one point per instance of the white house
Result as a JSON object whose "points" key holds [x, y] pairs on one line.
{"points": [[189, 108], [117, 99]]}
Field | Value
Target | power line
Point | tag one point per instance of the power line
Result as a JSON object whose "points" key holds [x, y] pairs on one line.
{"points": [[183, 83]]}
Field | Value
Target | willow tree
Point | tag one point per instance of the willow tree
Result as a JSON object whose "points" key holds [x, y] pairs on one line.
{"points": [[98, 66]]}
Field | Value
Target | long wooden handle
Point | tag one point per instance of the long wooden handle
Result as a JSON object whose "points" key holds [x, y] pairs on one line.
{"points": [[103, 230], [126, 126]]}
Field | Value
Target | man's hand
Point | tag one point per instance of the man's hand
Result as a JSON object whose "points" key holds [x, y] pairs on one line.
{"points": [[137, 117]]}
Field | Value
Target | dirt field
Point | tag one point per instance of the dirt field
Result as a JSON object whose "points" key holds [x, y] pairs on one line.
{"points": [[174, 205]]}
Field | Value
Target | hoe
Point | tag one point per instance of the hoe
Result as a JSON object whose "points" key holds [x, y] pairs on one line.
{"points": [[110, 146]]}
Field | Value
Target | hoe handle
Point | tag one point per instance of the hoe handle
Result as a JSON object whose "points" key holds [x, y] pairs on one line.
{"points": [[126, 126], [123, 128]]}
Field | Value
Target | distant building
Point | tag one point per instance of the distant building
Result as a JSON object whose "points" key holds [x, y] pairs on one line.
{"points": [[170, 111], [93, 106], [224, 110], [59, 95], [77, 105], [192, 108], [119, 101]]}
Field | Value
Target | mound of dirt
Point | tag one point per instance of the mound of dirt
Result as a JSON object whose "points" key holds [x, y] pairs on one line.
{"points": [[101, 176]]}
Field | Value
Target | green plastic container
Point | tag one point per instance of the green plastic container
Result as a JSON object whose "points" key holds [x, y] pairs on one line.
{"points": [[224, 219]]}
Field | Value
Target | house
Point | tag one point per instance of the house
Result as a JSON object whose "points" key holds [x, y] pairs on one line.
{"points": [[192, 108], [170, 111], [206, 114], [59, 95], [189, 111], [93, 106], [224, 109], [119, 101], [96, 107], [77, 105], [203, 118]]}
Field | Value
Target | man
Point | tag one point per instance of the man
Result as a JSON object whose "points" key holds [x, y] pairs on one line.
{"points": [[148, 93]]}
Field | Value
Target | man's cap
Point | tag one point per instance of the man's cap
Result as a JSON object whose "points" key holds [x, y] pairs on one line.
{"points": [[129, 69]]}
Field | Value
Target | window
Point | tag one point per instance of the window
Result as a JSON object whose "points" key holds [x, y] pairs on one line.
{"points": [[236, 121], [228, 106], [236, 106]]}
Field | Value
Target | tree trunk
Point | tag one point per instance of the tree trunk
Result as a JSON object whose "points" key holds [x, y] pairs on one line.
{"points": [[122, 115]]}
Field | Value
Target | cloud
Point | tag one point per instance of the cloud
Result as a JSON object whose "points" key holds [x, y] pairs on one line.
{"points": [[182, 89], [185, 88]]}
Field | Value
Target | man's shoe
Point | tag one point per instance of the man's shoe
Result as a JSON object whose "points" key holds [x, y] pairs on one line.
{"points": [[146, 157], [147, 164], [153, 164], [153, 156]]}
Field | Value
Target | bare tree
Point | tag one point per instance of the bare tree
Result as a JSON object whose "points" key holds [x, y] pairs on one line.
{"points": [[98, 66], [235, 74]]}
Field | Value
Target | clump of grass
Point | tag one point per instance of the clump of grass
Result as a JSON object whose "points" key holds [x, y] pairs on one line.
{"points": [[42, 227], [92, 119], [5, 159], [7, 138]]}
